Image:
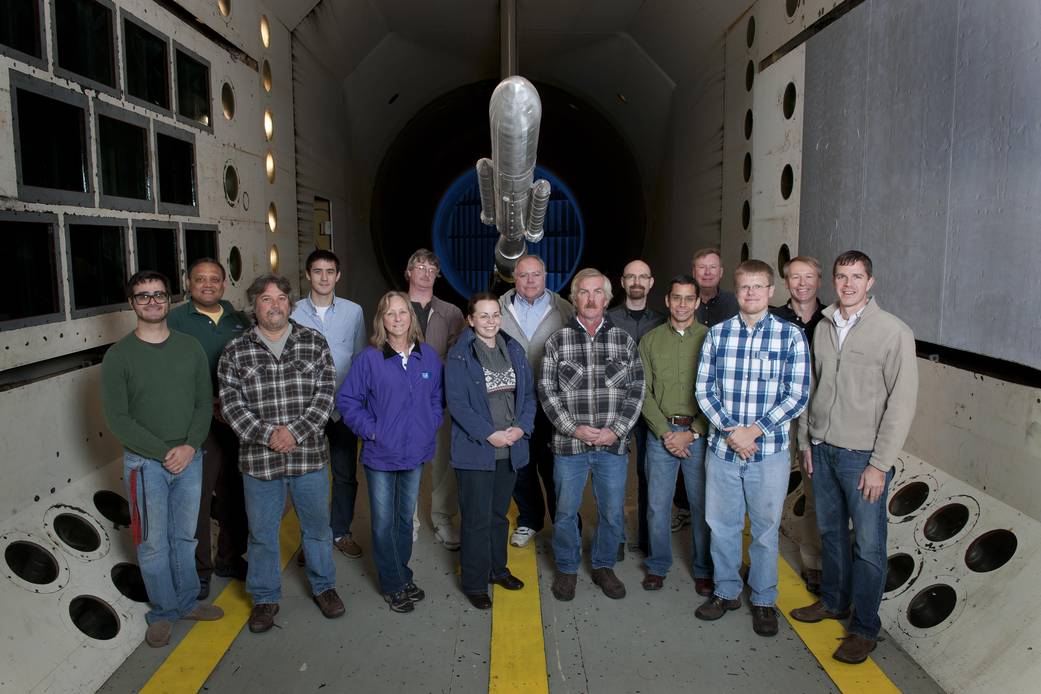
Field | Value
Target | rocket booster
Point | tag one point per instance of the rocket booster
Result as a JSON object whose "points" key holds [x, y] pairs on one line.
{"points": [[509, 198]]}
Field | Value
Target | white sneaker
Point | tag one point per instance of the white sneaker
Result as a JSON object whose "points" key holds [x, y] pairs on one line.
{"points": [[522, 536], [448, 535]]}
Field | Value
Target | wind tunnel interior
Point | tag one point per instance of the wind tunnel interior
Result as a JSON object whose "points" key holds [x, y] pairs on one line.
{"points": [[578, 148]]}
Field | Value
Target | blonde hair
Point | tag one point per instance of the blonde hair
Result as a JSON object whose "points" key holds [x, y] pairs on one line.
{"points": [[586, 273], [379, 331], [809, 260]]}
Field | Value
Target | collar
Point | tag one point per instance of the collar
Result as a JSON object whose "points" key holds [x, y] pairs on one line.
{"points": [[542, 298], [224, 304], [310, 305], [294, 328], [389, 352]]}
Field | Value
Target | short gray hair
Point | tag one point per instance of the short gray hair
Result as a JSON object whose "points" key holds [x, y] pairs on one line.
{"points": [[585, 274]]}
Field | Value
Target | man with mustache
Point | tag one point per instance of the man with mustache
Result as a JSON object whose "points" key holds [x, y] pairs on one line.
{"points": [[276, 389]]}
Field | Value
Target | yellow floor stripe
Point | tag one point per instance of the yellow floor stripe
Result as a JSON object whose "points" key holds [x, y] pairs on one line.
{"points": [[198, 653], [518, 662]]}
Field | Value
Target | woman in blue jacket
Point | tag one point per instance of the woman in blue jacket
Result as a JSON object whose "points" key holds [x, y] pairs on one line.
{"points": [[392, 400], [491, 397]]}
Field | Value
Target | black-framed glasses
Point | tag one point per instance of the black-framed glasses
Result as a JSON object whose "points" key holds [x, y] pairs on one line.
{"points": [[144, 298]]}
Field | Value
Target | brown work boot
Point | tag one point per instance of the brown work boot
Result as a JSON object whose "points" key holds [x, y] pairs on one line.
{"points": [[564, 586], [715, 607], [653, 582], [815, 613], [854, 649], [764, 620], [609, 583], [262, 617], [330, 604], [158, 633], [205, 613], [704, 586], [348, 546]]}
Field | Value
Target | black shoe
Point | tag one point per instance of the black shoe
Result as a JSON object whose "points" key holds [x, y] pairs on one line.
{"points": [[204, 588], [812, 578], [621, 552], [481, 601], [414, 592], [508, 581], [399, 602], [764, 620], [715, 607]]}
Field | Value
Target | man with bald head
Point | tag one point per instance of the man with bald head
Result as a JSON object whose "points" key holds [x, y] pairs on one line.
{"points": [[636, 318]]}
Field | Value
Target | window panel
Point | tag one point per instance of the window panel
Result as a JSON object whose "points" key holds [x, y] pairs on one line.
{"points": [[84, 39], [147, 65], [97, 265], [157, 250]]}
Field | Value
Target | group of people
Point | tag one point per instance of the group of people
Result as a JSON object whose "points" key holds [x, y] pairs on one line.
{"points": [[525, 396]]}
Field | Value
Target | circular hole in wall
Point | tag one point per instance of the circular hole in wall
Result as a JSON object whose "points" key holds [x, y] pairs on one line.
{"points": [[127, 579], [931, 606], [946, 522], [744, 252], [235, 264], [76, 532], [265, 31], [227, 100], [224, 6], [899, 568], [272, 217], [788, 101], [784, 256], [909, 498], [113, 507], [787, 181], [231, 184], [794, 480], [746, 218], [748, 124], [273, 258], [991, 550], [31, 562], [269, 167], [799, 508], [94, 617], [749, 76], [750, 32], [747, 171], [269, 124], [790, 6], [265, 75]]}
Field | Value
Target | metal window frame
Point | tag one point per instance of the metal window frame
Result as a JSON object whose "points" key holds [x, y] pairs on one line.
{"points": [[59, 284], [158, 129], [118, 202], [136, 224], [209, 86], [68, 74], [81, 220], [124, 18], [57, 196], [36, 61], [191, 226]]}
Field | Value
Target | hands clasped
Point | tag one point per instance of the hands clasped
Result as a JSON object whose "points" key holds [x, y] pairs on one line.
{"points": [[592, 436], [506, 437]]}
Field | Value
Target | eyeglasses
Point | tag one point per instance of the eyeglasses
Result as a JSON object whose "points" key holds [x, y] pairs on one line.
{"points": [[425, 269], [682, 299], [750, 288], [144, 298], [630, 277]]}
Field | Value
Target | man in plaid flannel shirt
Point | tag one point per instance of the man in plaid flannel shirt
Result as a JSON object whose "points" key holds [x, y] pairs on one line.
{"points": [[591, 387], [276, 388], [753, 379]]}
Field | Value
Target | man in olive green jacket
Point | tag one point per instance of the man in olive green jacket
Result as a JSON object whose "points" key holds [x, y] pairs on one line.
{"points": [[862, 402]]}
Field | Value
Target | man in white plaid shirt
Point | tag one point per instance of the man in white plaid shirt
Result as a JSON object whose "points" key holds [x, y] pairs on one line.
{"points": [[753, 379]]}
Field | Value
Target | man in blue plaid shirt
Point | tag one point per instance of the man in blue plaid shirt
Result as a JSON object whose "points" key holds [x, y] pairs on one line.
{"points": [[753, 378]]}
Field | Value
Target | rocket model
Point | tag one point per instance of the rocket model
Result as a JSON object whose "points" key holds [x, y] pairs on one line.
{"points": [[509, 199]]}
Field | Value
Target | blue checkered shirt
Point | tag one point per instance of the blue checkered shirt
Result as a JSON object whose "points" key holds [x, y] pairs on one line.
{"points": [[759, 375]]}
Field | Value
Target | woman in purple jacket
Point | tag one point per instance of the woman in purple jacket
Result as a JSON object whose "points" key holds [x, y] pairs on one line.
{"points": [[491, 397], [392, 400]]}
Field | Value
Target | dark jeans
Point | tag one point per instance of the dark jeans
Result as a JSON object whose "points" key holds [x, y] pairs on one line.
{"points": [[221, 492], [343, 460], [392, 501], [531, 504], [484, 499], [640, 437]]}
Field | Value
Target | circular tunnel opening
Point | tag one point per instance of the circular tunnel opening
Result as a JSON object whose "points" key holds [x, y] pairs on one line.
{"points": [[31, 562], [76, 532], [991, 550], [899, 568], [126, 577], [94, 617], [909, 498], [113, 507], [931, 606], [794, 480], [946, 522]]}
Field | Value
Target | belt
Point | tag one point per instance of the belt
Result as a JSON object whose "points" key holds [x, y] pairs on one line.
{"points": [[680, 420]]}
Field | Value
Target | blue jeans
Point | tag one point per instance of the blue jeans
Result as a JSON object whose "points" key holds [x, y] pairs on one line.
{"points": [[265, 502], [392, 501], [662, 468], [569, 478], [850, 575], [343, 461], [169, 508], [731, 490]]}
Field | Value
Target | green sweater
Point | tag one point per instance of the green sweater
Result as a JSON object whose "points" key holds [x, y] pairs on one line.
{"points": [[670, 363], [156, 397], [187, 319]]}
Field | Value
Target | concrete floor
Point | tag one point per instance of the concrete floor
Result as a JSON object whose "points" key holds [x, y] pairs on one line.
{"points": [[647, 642]]}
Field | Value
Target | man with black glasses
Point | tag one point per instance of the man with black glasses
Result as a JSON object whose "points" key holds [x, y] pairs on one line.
{"points": [[157, 400]]}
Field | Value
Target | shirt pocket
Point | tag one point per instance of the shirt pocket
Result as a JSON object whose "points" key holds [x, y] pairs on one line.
{"points": [[304, 368], [570, 375], [767, 366], [616, 373], [253, 372]]}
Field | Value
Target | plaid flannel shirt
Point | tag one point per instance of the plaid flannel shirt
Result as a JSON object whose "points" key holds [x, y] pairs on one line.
{"points": [[258, 393], [759, 376], [597, 381]]}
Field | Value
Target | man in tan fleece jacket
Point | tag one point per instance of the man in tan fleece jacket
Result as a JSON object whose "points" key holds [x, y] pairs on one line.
{"points": [[862, 401]]}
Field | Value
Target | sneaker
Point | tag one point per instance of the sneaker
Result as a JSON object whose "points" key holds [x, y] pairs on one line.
{"points": [[414, 592], [348, 546], [564, 586], [399, 602], [158, 633], [522, 536], [609, 583], [262, 617], [715, 607], [448, 535], [854, 649], [681, 520], [330, 604], [764, 620], [205, 613]]}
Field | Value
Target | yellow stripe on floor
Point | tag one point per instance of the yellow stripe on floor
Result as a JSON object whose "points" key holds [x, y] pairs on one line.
{"points": [[198, 653], [518, 662]]}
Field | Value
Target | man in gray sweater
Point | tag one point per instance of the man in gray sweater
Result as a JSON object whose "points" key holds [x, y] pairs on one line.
{"points": [[862, 402], [530, 314]]}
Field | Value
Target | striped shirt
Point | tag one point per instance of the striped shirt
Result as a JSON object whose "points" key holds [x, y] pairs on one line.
{"points": [[596, 381], [259, 392], [753, 376]]}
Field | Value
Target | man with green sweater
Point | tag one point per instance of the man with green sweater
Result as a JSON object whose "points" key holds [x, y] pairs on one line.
{"points": [[157, 399]]}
